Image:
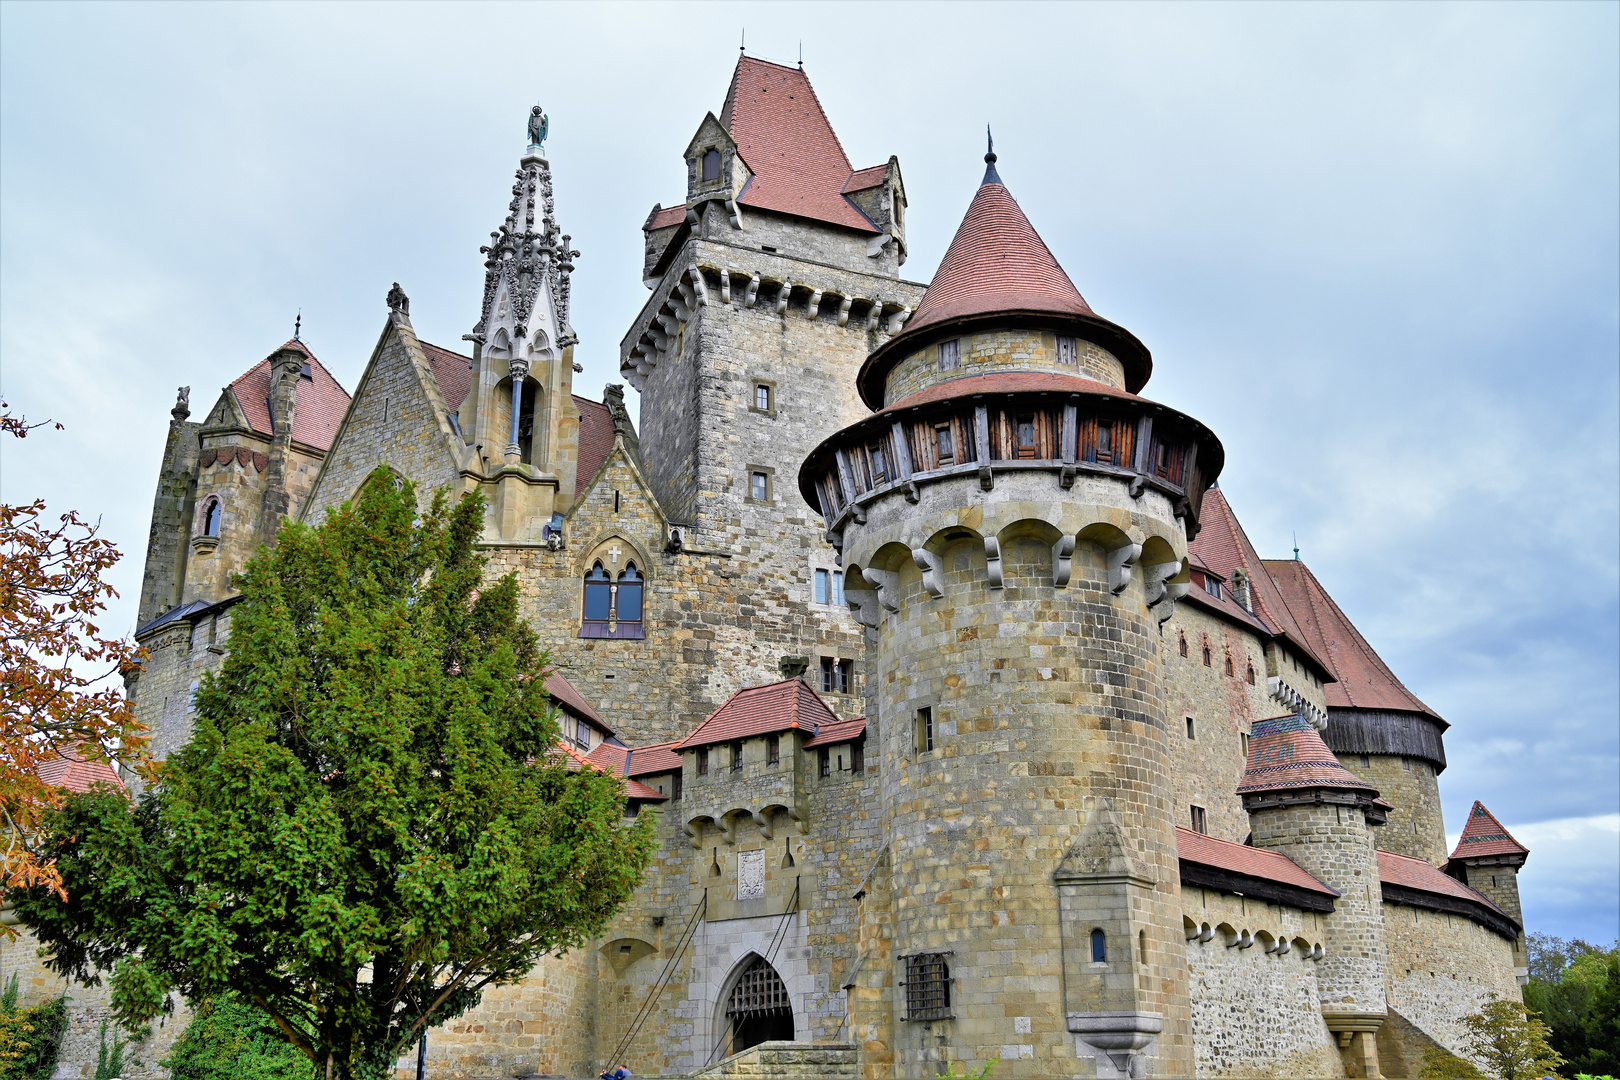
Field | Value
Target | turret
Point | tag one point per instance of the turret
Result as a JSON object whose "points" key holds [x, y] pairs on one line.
{"points": [[1013, 521], [1304, 804], [1488, 858], [287, 365], [165, 575]]}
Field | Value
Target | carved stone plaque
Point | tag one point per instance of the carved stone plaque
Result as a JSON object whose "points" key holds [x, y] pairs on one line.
{"points": [[750, 875]]}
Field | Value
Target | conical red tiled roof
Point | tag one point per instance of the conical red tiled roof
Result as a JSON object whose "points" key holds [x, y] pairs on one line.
{"points": [[1287, 753], [798, 164], [997, 262], [1484, 835], [760, 710], [76, 775], [1364, 680]]}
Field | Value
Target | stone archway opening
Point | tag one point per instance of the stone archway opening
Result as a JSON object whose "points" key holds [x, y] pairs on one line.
{"points": [[759, 1009]]}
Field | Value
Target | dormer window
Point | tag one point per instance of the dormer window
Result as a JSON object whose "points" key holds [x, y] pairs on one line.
{"points": [[711, 165]]}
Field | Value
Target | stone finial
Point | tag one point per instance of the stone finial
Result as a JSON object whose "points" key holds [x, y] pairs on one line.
{"points": [[398, 301], [182, 404], [793, 667]]}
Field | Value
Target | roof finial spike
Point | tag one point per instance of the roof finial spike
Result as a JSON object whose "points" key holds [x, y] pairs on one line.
{"points": [[1296, 547], [990, 174], [298, 324], [742, 46], [801, 54]]}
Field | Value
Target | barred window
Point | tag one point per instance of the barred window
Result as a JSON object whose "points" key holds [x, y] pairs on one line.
{"points": [[928, 987]]}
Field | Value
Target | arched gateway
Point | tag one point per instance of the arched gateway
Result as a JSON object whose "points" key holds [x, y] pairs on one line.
{"points": [[758, 1009]]}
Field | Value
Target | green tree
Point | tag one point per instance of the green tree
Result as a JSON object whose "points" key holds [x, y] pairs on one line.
{"points": [[1511, 1042], [227, 1040], [370, 824], [1602, 1023]]}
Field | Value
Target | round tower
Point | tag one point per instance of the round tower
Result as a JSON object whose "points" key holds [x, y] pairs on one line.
{"points": [[1013, 520], [1305, 804]]}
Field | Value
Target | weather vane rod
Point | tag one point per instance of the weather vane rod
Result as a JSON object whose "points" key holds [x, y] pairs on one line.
{"points": [[298, 324]]}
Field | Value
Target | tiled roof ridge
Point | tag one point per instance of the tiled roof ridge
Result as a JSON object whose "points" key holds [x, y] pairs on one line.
{"points": [[797, 695], [1245, 859], [1439, 882], [726, 110], [1316, 597], [316, 422], [1488, 835]]}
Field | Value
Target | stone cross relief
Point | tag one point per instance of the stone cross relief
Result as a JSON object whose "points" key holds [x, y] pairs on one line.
{"points": [[614, 553]]}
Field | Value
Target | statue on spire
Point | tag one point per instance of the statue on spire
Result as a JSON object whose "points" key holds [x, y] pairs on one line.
{"points": [[539, 124]]}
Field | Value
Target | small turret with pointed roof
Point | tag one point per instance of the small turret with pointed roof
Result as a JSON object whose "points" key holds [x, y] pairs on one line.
{"points": [[1488, 858]]}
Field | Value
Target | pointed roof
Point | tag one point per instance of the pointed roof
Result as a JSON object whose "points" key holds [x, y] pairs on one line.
{"points": [[1223, 546], [563, 693], [69, 770], [1364, 680], [997, 262], [1287, 753], [782, 134], [1484, 835], [319, 402], [760, 710]]}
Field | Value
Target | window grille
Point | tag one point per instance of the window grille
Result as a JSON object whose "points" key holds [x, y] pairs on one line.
{"points": [[928, 987], [759, 990]]}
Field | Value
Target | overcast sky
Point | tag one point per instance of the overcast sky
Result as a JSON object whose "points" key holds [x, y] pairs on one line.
{"points": [[1376, 248]]}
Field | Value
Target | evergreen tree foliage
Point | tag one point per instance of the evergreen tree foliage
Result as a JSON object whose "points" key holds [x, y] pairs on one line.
{"points": [[1575, 987], [370, 823], [227, 1040]]}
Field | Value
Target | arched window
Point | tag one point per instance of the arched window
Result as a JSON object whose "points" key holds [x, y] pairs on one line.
{"points": [[1229, 665], [1206, 655], [211, 518], [1183, 644], [598, 594], [711, 165], [613, 607], [1250, 675], [1099, 947]]}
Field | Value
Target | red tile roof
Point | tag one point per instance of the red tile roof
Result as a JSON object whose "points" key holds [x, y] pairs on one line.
{"points": [[863, 179], [657, 758], [997, 262], [799, 166], [1287, 753], [1484, 835], [1007, 382], [595, 439], [452, 371], [635, 789], [841, 732], [563, 692], [1223, 546], [609, 757], [1196, 847], [1411, 873], [318, 402], [760, 710], [664, 217], [68, 771], [575, 761], [1364, 680]]}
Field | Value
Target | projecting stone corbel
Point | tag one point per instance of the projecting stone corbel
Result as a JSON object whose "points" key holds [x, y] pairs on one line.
{"points": [[913, 496], [813, 308], [1066, 476], [1172, 593], [736, 213], [1062, 561], [1120, 561], [887, 584], [876, 244], [694, 832], [783, 295], [1153, 581], [873, 314], [753, 289], [929, 564], [898, 319], [986, 479], [1138, 485], [843, 310], [992, 561], [725, 286], [863, 604], [699, 287]]}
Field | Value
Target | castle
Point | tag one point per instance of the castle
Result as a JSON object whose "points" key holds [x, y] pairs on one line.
{"points": [[975, 726]]}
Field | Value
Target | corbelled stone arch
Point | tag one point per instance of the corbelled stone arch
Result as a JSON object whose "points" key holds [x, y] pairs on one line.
{"points": [[1037, 531], [1119, 551], [601, 549], [753, 1006]]}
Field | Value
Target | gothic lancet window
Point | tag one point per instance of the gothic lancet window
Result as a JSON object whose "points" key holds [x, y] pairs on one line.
{"points": [[598, 594], [211, 518], [612, 606]]}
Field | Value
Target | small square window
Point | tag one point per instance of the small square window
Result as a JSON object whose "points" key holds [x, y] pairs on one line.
{"points": [[1200, 820], [762, 397], [950, 354], [759, 486], [925, 729], [1068, 349], [1191, 729]]}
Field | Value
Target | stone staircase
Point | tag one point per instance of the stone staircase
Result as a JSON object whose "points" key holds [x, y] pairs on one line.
{"points": [[788, 1061]]}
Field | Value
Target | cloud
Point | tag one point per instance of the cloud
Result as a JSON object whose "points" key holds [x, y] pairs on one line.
{"points": [[1568, 886]]}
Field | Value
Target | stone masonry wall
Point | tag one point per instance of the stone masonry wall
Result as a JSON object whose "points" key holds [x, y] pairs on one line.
{"points": [[1416, 826], [166, 543], [1441, 968], [1001, 350], [1255, 1014], [1207, 768], [177, 656]]}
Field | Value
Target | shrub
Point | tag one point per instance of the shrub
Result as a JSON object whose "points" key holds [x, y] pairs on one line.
{"points": [[227, 1040], [29, 1038]]}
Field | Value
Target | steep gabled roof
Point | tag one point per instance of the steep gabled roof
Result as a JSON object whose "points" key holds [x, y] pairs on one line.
{"points": [[1286, 753], [595, 439], [318, 403], [1223, 546], [1484, 835], [563, 692], [657, 758], [452, 371], [996, 262], [1364, 680], [842, 732], [798, 165], [761, 710]]}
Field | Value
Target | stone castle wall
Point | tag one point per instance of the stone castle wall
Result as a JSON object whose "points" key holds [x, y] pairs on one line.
{"points": [[1416, 826], [989, 351]]}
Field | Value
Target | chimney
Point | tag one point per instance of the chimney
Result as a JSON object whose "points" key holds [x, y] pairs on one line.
{"points": [[286, 366]]}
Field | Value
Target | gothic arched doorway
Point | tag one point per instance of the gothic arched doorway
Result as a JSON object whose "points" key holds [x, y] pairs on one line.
{"points": [[758, 1009]]}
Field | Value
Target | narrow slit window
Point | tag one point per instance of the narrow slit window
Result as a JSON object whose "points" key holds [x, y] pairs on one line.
{"points": [[1192, 728], [1200, 820], [703, 761], [925, 729], [773, 749], [1228, 665], [1206, 656], [1183, 644], [1250, 675], [824, 760], [1243, 743], [857, 757], [736, 756], [675, 787], [211, 519], [950, 354], [1099, 947]]}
